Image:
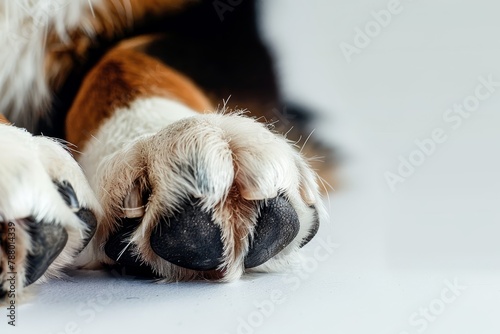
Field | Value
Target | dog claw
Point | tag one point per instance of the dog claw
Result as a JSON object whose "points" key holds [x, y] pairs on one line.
{"points": [[277, 225], [88, 217], [68, 194], [47, 242], [257, 195], [189, 239]]}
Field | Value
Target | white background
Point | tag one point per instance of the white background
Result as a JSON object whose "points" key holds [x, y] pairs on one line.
{"points": [[396, 252]]}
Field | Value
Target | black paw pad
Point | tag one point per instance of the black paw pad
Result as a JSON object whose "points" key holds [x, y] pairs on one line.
{"points": [[189, 239], [117, 247], [277, 225], [314, 229], [47, 242]]}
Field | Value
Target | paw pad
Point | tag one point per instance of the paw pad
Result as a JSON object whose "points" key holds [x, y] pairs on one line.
{"points": [[277, 225], [47, 242], [189, 239]]}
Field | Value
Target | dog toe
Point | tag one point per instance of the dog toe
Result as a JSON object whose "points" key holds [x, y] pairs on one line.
{"points": [[47, 242], [277, 225], [189, 239]]}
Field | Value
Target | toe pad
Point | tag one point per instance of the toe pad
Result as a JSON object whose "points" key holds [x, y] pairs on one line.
{"points": [[277, 225], [47, 242], [189, 239]]}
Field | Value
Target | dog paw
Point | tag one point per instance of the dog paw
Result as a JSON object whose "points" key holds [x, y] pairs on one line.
{"points": [[47, 210], [209, 196]]}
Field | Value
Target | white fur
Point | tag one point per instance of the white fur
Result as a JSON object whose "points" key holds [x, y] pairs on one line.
{"points": [[28, 167], [147, 142], [144, 118]]}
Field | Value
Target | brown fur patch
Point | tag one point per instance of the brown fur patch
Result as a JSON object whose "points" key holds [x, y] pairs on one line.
{"points": [[3, 120], [122, 76]]}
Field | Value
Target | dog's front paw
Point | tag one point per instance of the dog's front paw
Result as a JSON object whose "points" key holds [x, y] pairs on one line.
{"points": [[47, 210], [208, 196]]}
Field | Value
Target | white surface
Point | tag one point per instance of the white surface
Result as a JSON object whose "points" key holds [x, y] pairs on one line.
{"points": [[396, 250]]}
